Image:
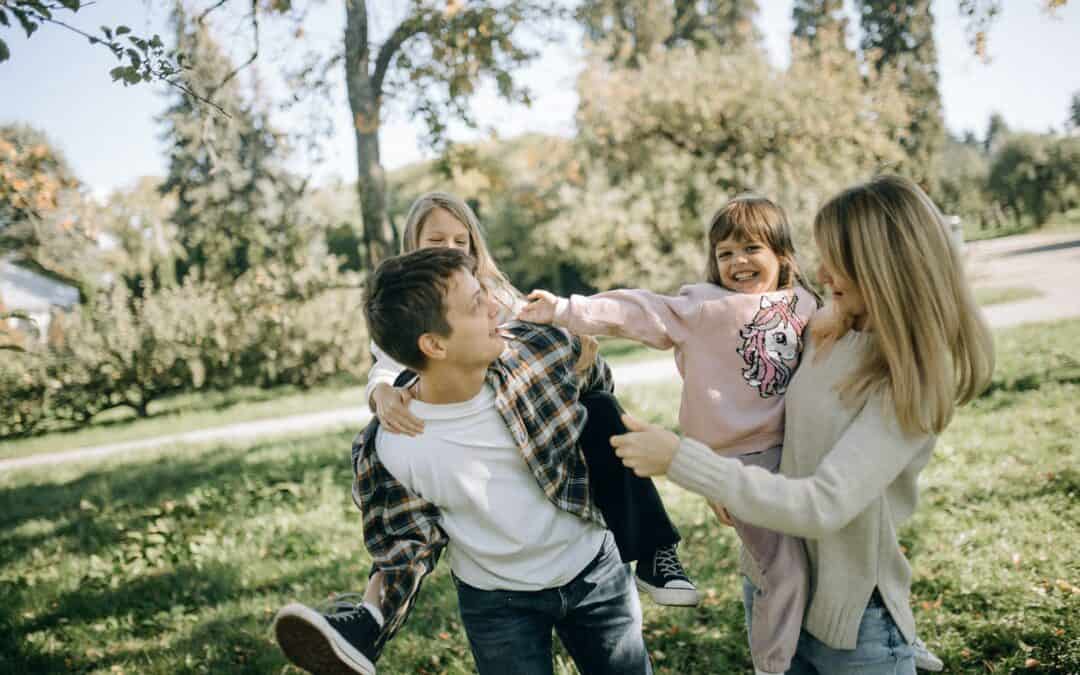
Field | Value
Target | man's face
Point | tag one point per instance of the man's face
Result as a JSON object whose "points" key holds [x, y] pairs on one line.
{"points": [[474, 338]]}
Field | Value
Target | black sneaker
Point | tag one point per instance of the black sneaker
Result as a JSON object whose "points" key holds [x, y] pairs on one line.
{"points": [[664, 579], [339, 641]]}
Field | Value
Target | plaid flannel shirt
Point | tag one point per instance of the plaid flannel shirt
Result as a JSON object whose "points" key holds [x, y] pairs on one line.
{"points": [[536, 394]]}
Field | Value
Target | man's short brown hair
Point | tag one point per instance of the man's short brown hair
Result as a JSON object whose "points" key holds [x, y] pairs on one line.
{"points": [[406, 298]]}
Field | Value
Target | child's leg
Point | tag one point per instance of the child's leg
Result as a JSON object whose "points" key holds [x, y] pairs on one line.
{"points": [[780, 603], [631, 505], [632, 508]]}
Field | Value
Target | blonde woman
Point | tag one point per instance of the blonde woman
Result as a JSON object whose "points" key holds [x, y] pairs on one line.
{"points": [[900, 344], [631, 506]]}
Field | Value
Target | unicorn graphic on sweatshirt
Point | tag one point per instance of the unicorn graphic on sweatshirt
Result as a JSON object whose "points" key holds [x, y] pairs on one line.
{"points": [[771, 346]]}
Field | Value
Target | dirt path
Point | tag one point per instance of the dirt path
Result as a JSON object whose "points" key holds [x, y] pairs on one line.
{"points": [[1049, 263]]}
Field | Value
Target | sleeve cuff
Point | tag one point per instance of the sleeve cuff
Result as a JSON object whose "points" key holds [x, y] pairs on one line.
{"points": [[698, 469], [562, 311]]}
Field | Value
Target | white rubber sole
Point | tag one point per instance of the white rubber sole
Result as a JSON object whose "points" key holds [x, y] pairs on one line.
{"points": [[311, 643], [672, 597]]}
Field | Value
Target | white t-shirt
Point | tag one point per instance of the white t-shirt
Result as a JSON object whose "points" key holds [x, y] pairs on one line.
{"points": [[504, 533]]}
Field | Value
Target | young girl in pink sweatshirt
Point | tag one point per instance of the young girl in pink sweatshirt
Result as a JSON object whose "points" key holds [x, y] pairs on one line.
{"points": [[737, 340]]}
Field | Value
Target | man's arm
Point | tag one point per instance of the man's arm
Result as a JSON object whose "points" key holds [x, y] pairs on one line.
{"points": [[401, 532]]}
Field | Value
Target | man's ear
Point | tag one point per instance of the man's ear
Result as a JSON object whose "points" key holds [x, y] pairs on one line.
{"points": [[431, 346]]}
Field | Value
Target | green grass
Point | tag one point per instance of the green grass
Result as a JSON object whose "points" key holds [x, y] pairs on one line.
{"points": [[998, 295], [175, 561]]}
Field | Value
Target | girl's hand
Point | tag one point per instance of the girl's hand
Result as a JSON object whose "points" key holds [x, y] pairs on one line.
{"points": [[392, 409], [541, 307], [721, 513], [646, 448]]}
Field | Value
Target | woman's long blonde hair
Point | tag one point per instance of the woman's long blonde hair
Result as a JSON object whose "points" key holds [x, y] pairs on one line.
{"points": [[487, 272], [930, 345]]}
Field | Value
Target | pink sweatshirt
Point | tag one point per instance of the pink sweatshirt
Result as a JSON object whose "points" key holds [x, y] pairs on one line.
{"points": [[736, 353]]}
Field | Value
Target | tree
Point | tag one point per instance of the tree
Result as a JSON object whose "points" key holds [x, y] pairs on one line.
{"points": [[1074, 112], [432, 61], [813, 18], [235, 202], [996, 130], [661, 146], [900, 35], [433, 58], [146, 247], [626, 30], [1036, 175], [43, 220]]}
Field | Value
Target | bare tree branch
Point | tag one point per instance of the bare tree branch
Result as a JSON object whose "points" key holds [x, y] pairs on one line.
{"points": [[255, 51], [408, 28]]}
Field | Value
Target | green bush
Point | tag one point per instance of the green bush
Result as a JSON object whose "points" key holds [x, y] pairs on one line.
{"points": [[1036, 175], [277, 325]]}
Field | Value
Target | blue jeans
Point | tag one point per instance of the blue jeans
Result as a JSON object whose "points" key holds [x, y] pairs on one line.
{"points": [[879, 650], [596, 615]]}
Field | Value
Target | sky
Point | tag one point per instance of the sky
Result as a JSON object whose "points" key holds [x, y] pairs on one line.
{"points": [[58, 83]]}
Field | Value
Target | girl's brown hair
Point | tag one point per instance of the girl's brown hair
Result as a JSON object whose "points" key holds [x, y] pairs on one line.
{"points": [[751, 217]]}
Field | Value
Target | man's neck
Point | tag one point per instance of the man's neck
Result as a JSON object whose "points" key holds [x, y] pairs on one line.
{"points": [[440, 385]]}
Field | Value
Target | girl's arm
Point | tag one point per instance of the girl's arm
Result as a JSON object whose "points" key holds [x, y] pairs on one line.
{"points": [[390, 404], [864, 462], [659, 321]]}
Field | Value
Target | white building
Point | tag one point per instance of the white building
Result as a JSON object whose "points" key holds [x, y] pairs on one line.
{"points": [[35, 294]]}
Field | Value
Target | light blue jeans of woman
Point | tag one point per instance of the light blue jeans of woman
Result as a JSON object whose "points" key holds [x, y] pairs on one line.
{"points": [[880, 649]]}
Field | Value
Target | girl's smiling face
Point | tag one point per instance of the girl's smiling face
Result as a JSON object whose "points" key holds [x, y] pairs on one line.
{"points": [[747, 266]]}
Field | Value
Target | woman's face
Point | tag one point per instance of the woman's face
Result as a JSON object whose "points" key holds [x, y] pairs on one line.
{"points": [[846, 296], [442, 229], [747, 266]]}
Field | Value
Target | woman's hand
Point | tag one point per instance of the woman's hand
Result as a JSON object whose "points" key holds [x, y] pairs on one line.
{"points": [[647, 449], [541, 307], [721, 513], [392, 409]]}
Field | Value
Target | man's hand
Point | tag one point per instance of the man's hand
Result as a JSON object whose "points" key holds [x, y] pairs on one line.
{"points": [[647, 449], [392, 409], [541, 307]]}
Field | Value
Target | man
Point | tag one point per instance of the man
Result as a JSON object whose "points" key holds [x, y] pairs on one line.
{"points": [[496, 478]]}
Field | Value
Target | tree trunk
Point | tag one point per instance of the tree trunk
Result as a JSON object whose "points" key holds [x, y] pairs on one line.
{"points": [[364, 102]]}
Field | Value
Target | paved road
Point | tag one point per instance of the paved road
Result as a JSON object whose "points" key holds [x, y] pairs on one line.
{"points": [[1047, 262]]}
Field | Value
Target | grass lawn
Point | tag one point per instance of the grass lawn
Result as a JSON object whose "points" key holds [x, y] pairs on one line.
{"points": [[175, 561], [998, 295]]}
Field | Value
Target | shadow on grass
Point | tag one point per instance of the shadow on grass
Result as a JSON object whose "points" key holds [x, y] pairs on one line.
{"points": [[98, 509], [182, 603]]}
